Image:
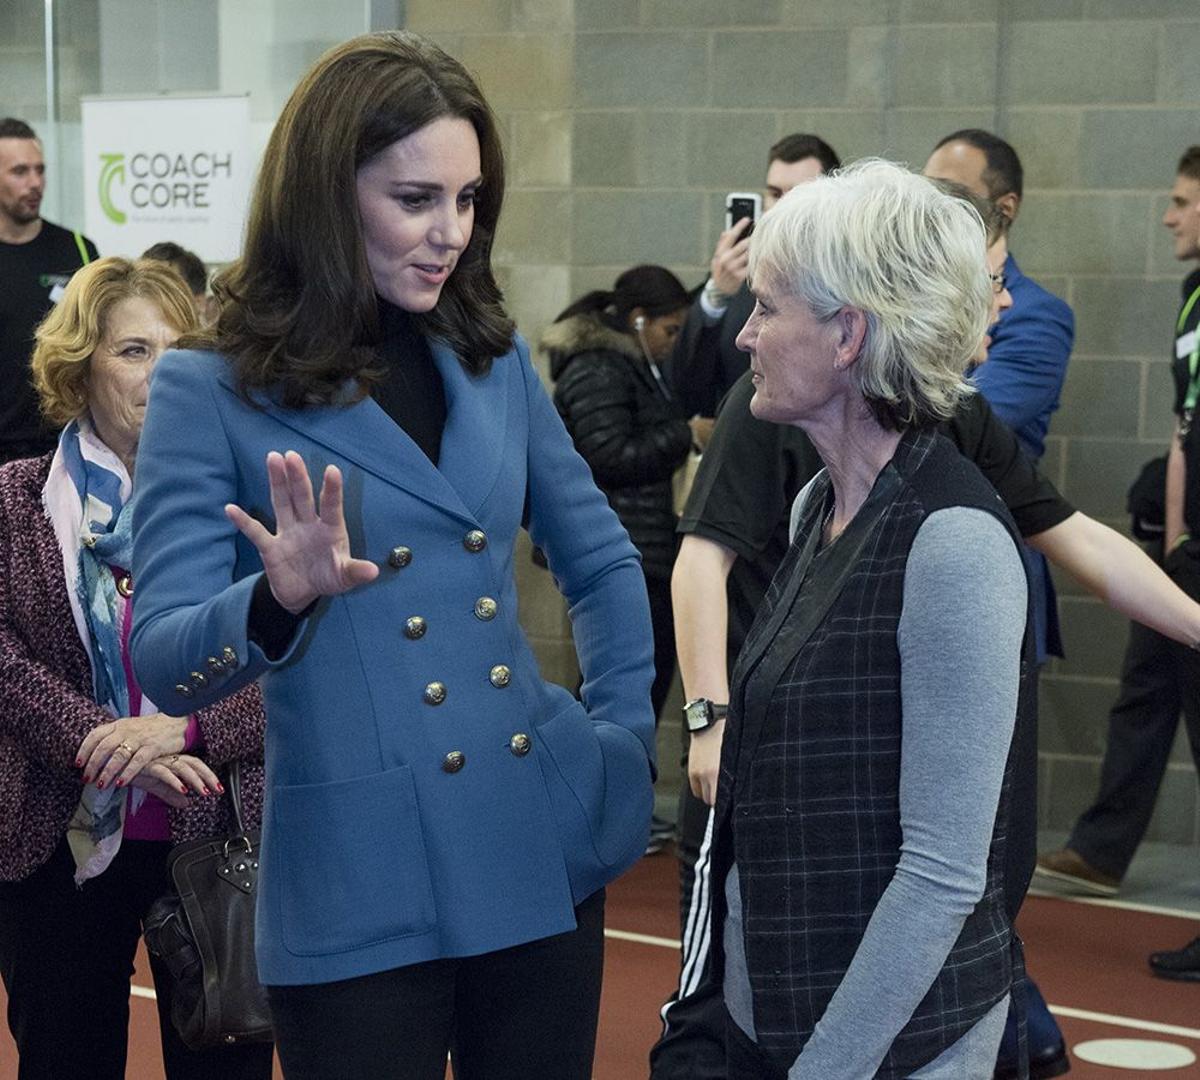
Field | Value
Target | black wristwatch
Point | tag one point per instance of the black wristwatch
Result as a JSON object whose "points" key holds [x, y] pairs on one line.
{"points": [[700, 714]]}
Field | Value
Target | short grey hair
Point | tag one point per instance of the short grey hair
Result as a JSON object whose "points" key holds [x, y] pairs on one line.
{"points": [[877, 237]]}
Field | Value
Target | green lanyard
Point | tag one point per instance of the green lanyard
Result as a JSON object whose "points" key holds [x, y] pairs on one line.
{"points": [[1193, 390], [85, 258]]}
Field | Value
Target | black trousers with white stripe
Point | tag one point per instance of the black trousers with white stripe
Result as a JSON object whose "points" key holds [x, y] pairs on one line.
{"points": [[692, 1045]]}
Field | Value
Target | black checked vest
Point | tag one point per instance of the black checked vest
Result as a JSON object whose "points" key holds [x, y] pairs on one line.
{"points": [[815, 709]]}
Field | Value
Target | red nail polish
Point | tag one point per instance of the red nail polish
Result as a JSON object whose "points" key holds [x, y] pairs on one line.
{"points": [[205, 791], [79, 763], [100, 784], [220, 789], [87, 779], [183, 788], [119, 783]]}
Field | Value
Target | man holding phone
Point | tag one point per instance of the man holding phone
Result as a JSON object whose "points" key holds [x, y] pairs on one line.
{"points": [[706, 362]]}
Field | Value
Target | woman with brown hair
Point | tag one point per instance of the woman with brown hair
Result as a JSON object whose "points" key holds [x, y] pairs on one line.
{"points": [[96, 780], [441, 822]]}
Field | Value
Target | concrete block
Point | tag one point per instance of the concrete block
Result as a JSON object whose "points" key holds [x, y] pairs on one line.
{"points": [[660, 154], [1178, 72], [870, 66], [945, 65], [534, 295], [535, 227], [521, 71], [540, 149], [1100, 398], [943, 11], [1042, 10], [1139, 9], [827, 13], [1158, 403], [607, 14], [1073, 713], [1099, 472], [1072, 786], [1093, 233], [1134, 148], [1094, 637], [641, 70], [1174, 820], [1084, 63], [470, 16], [538, 16], [1049, 145], [603, 149], [779, 69], [695, 13], [728, 149], [630, 227], [1124, 316]]}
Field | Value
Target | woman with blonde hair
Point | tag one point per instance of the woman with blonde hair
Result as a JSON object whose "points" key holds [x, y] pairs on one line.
{"points": [[96, 780]]}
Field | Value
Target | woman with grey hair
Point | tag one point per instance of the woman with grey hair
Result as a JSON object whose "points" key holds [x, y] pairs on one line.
{"points": [[880, 707]]}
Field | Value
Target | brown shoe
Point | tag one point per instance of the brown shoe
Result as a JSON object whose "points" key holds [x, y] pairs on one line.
{"points": [[1073, 869]]}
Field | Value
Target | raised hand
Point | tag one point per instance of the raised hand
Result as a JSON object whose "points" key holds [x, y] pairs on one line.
{"points": [[731, 259], [308, 555]]}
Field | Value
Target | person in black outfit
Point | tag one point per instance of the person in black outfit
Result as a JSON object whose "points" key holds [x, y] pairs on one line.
{"points": [[1181, 541], [37, 259], [706, 362], [604, 352]]}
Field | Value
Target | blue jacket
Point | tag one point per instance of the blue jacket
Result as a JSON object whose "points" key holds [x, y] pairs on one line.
{"points": [[1022, 380], [377, 850]]}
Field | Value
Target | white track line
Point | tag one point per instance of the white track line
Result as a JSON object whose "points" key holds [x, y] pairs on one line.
{"points": [[644, 939], [1124, 905], [1125, 1022]]}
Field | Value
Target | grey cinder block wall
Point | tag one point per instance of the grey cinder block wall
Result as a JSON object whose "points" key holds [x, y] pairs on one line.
{"points": [[626, 121]]}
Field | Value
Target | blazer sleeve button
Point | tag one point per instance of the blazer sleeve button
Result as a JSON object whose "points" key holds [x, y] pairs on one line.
{"points": [[454, 761], [435, 693], [399, 557], [183, 690], [475, 540], [520, 744], [486, 608]]}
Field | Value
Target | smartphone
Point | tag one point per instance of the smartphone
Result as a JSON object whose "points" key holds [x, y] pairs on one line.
{"points": [[742, 204]]}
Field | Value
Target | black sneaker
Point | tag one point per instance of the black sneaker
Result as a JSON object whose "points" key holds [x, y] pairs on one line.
{"points": [[1182, 964]]}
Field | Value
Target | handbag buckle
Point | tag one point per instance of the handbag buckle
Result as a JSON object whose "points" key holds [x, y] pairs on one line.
{"points": [[240, 867]]}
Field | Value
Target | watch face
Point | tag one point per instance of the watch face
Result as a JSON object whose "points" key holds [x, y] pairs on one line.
{"points": [[699, 714]]}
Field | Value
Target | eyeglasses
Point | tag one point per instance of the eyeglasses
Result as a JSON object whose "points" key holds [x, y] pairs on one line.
{"points": [[998, 284]]}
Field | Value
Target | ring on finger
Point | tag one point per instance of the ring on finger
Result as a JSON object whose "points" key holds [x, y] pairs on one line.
{"points": [[173, 758], [126, 747]]}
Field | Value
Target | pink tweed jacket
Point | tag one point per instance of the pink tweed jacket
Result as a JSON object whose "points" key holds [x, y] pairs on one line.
{"points": [[46, 707]]}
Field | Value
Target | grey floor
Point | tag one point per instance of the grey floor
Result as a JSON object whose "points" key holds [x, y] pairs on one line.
{"points": [[1161, 875]]}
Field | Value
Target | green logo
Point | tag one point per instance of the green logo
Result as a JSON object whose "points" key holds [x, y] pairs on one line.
{"points": [[112, 169]]}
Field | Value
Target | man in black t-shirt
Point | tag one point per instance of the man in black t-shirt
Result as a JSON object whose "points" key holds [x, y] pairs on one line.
{"points": [[37, 259], [1181, 541]]}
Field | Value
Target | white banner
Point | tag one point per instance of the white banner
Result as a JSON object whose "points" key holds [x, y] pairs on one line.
{"points": [[167, 168]]}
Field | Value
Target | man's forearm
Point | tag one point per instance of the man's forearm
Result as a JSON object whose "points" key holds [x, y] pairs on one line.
{"points": [[701, 617], [1119, 572]]}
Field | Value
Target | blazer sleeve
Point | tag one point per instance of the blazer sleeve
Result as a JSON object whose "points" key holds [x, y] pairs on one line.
{"points": [[192, 610], [693, 369], [596, 568]]}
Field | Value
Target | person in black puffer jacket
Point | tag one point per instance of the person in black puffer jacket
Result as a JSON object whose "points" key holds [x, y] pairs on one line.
{"points": [[604, 351]]}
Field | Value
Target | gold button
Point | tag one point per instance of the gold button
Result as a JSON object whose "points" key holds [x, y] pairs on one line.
{"points": [[399, 557], [435, 693], [125, 586], [500, 676], [486, 608], [475, 540], [229, 656], [414, 627], [519, 744], [199, 680], [183, 690], [453, 761], [216, 665]]}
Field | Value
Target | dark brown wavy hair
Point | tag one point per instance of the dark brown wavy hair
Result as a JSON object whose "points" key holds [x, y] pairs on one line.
{"points": [[298, 310]]}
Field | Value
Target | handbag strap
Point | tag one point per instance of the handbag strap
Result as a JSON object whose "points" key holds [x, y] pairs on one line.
{"points": [[233, 788]]}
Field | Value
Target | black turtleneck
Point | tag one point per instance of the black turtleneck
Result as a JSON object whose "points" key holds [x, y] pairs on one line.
{"points": [[412, 394]]}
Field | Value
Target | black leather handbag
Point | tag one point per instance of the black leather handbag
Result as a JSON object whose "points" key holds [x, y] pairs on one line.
{"points": [[203, 933]]}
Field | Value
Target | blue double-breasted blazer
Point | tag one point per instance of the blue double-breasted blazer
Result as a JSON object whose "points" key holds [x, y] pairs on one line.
{"points": [[428, 794]]}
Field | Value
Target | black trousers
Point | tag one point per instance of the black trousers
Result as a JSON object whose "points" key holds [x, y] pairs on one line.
{"points": [[662, 621], [66, 956], [516, 1014], [1158, 678]]}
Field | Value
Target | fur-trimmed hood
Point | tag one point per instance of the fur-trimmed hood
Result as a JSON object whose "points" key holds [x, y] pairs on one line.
{"points": [[563, 341]]}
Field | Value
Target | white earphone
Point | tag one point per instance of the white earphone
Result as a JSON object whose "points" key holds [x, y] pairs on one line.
{"points": [[639, 322]]}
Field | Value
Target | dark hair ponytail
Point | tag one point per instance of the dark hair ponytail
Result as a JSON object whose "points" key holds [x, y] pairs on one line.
{"points": [[654, 289]]}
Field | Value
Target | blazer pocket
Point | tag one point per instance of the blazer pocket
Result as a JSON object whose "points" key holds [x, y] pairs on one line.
{"points": [[352, 865], [599, 784]]}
